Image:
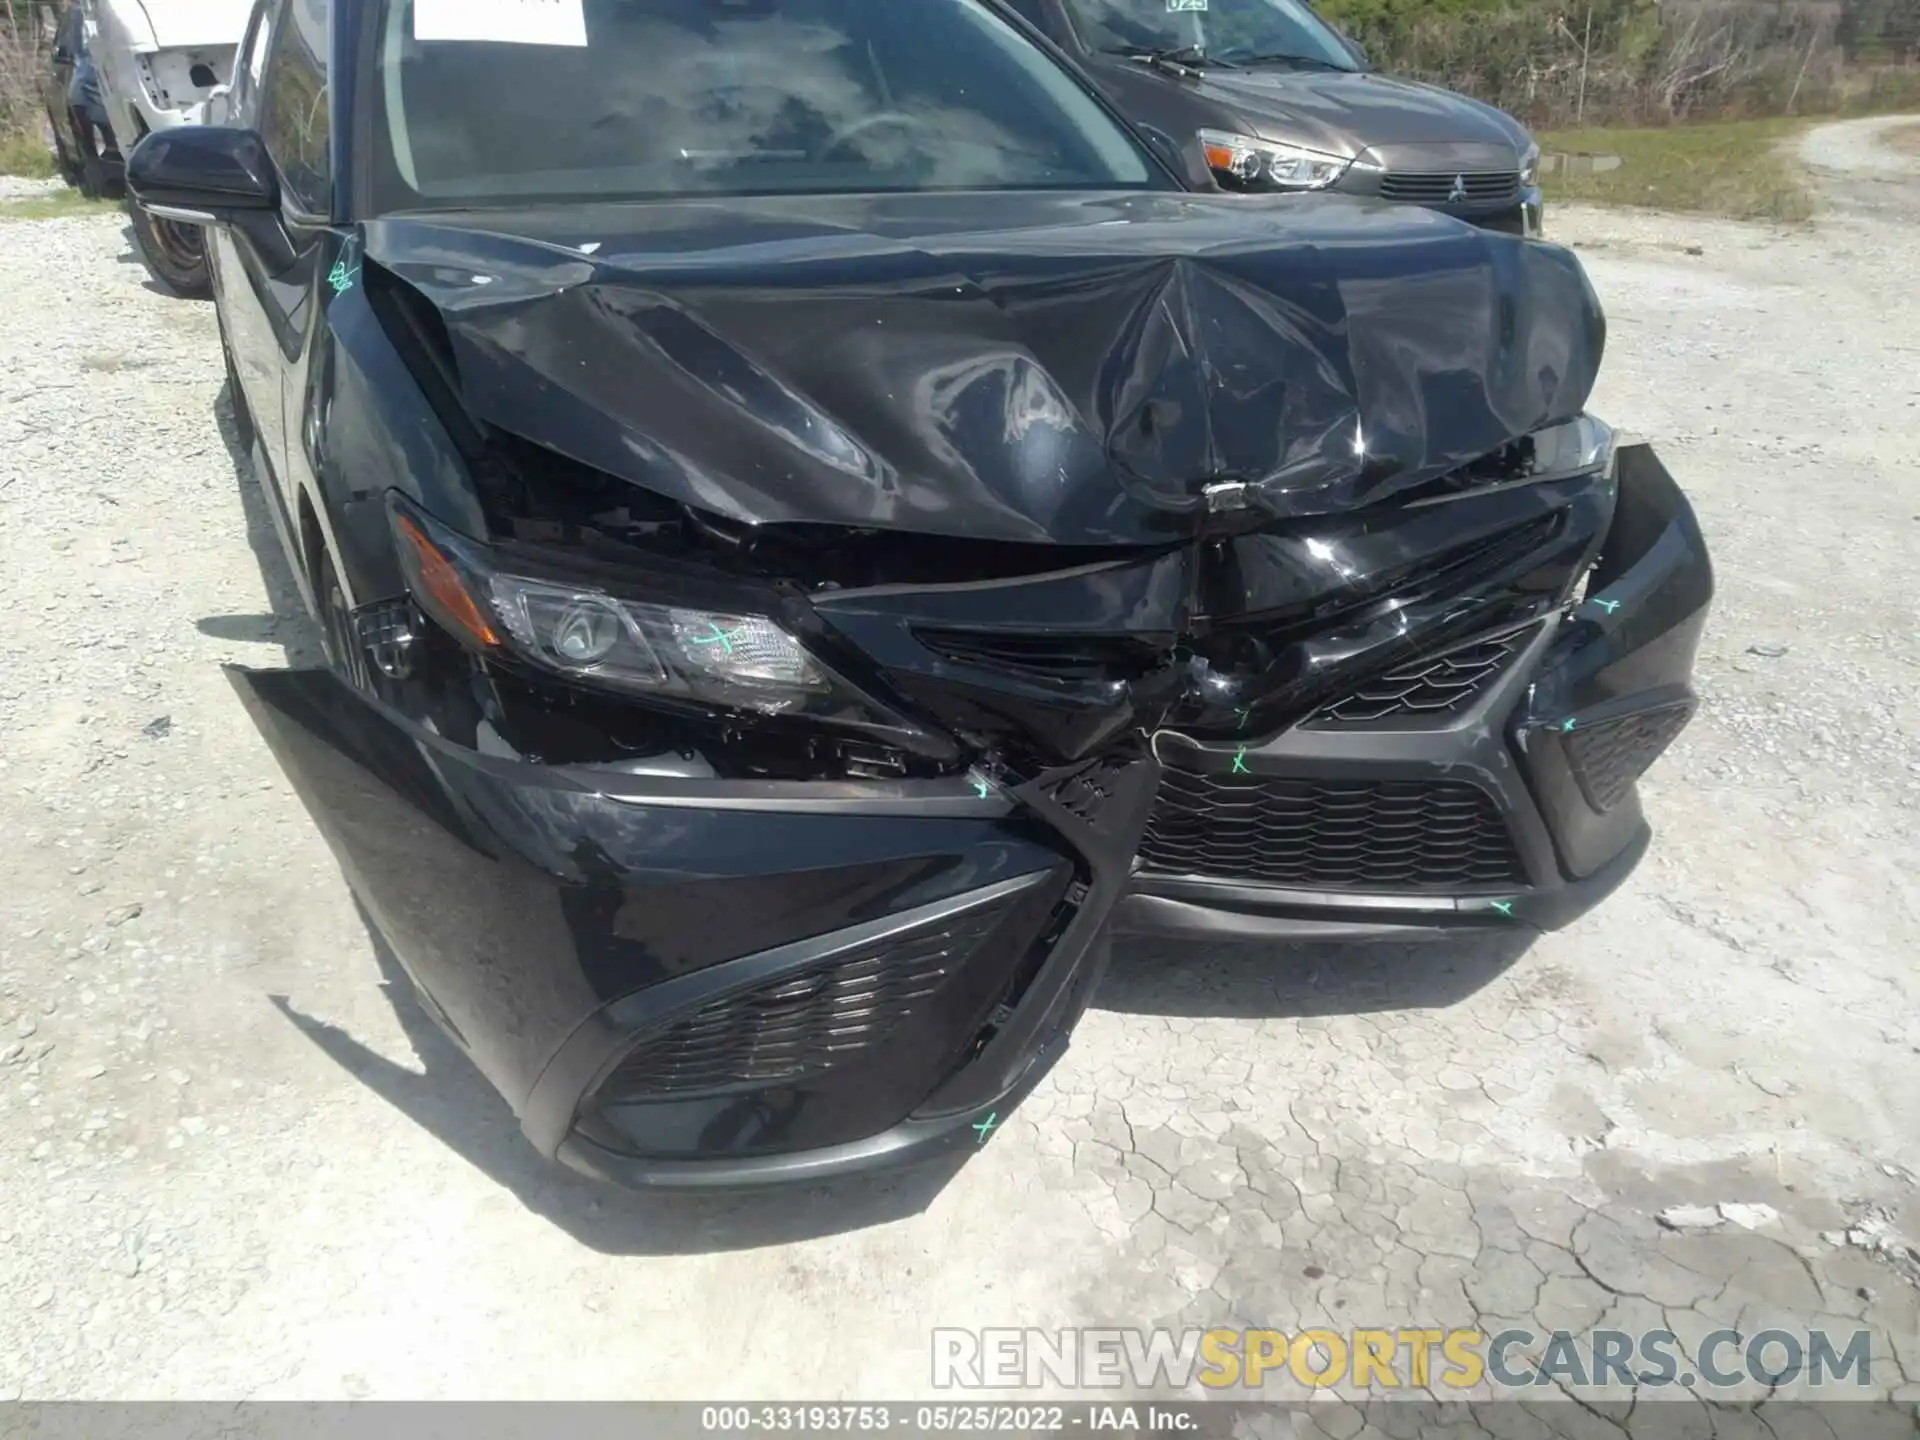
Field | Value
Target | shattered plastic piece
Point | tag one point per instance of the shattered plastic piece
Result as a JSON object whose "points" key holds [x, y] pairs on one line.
{"points": [[1767, 649], [1748, 1217], [1690, 1217], [158, 728]]}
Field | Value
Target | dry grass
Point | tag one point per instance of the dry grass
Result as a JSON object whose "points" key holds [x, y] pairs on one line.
{"points": [[1904, 138], [25, 153], [1734, 169], [55, 205]]}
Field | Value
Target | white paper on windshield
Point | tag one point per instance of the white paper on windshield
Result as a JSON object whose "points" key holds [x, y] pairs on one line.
{"points": [[511, 22]]}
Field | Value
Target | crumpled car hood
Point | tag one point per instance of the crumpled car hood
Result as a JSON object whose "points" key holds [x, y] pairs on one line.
{"points": [[1026, 367]]}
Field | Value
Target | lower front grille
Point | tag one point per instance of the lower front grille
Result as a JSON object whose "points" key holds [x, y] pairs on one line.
{"points": [[1362, 835], [1471, 187], [802, 1025], [1433, 685], [1609, 756]]}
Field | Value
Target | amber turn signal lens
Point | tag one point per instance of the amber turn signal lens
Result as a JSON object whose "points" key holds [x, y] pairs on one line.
{"points": [[440, 583]]}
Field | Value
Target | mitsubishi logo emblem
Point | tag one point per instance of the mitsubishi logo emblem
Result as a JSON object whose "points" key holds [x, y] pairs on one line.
{"points": [[1459, 191]]}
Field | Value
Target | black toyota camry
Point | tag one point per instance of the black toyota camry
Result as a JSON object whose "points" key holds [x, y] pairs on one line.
{"points": [[816, 528]]}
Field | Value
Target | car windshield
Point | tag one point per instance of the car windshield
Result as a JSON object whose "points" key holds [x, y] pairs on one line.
{"points": [[1231, 31], [489, 102]]}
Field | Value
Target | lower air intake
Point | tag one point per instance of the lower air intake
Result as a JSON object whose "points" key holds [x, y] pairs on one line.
{"points": [[1609, 756], [1381, 836], [802, 1025]]}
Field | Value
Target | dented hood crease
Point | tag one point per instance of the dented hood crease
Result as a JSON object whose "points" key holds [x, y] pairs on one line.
{"points": [[1024, 367]]}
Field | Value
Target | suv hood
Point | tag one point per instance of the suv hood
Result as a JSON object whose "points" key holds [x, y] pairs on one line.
{"points": [[1068, 369], [1346, 113]]}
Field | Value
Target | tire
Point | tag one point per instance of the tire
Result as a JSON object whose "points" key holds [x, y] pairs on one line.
{"points": [[69, 164], [344, 651], [92, 181], [174, 253], [244, 430]]}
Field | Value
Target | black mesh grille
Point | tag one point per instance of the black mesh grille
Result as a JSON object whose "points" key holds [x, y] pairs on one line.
{"points": [[1434, 685], [1611, 755], [802, 1025], [1481, 187], [1330, 834]]}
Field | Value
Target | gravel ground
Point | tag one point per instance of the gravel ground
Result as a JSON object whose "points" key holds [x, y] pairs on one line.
{"points": [[235, 1162]]}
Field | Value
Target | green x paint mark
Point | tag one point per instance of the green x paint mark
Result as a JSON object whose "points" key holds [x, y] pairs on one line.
{"points": [[981, 787], [1505, 907], [985, 1127], [718, 637], [1245, 715], [1608, 605], [1240, 762], [341, 278], [1566, 727]]}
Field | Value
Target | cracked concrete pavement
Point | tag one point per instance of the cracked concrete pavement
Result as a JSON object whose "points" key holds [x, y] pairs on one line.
{"points": [[235, 1161]]}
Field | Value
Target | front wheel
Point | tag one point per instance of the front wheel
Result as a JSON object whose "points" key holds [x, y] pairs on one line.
{"points": [[174, 252]]}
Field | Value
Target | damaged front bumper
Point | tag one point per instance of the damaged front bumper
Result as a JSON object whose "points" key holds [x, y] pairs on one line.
{"points": [[1489, 786], [713, 983], [683, 981]]}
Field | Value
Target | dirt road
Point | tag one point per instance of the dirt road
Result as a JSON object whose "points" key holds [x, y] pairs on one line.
{"points": [[235, 1161]]}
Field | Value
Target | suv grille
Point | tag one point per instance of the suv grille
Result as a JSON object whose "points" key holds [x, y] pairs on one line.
{"points": [[801, 1025], [1432, 685], [1609, 757], [1331, 834], [1483, 187]]}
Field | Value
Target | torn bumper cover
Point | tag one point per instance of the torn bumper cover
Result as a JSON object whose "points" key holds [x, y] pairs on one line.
{"points": [[718, 983], [1486, 783], [799, 633]]}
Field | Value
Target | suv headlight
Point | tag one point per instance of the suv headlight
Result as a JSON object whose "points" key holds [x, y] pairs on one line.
{"points": [[1255, 164], [1574, 447], [586, 633], [1530, 166]]}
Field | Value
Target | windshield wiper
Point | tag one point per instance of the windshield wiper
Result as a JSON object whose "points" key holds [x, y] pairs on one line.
{"points": [[1175, 60], [1285, 57]]}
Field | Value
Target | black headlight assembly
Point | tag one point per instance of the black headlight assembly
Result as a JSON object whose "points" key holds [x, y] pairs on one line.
{"points": [[687, 643]]}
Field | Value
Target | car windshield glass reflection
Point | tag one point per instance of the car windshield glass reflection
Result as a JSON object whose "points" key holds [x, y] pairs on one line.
{"points": [[1236, 32], [643, 98]]}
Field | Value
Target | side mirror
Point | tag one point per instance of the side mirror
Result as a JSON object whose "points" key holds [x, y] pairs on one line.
{"points": [[1359, 54], [202, 173]]}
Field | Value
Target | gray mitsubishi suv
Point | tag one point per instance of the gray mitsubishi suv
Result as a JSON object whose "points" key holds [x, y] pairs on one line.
{"points": [[1264, 95]]}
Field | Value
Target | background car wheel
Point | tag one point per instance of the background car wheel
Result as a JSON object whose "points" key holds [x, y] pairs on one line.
{"points": [[69, 163], [344, 650], [175, 253]]}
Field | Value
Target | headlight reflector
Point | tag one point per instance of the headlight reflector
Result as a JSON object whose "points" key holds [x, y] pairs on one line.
{"points": [[584, 633], [1574, 447], [1251, 162], [1530, 167]]}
